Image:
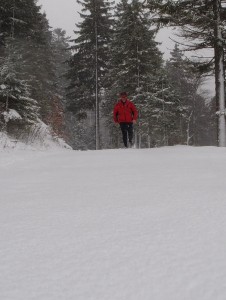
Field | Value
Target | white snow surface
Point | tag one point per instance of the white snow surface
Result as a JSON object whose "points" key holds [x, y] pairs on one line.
{"points": [[113, 224], [12, 114]]}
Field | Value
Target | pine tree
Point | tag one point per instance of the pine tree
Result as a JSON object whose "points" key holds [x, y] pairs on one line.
{"points": [[32, 44], [32, 38], [59, 117], [61, 56], [186, 82], [203, 25], [26, 13], [16, 105], [178, 80], [136, 61], [89, 63], [39, 65], [135, 53], [159, 113]]}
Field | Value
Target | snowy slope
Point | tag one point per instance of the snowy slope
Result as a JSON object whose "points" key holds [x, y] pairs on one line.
{"points": [[113, 225]]}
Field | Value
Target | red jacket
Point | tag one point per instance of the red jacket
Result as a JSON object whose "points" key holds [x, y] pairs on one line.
{"points": [[125, 112]]}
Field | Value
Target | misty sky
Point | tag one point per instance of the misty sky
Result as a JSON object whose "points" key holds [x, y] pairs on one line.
{"points": [[61, 13]]}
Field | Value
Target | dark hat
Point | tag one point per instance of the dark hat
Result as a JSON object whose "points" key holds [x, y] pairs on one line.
{"points": [[123, 94]]}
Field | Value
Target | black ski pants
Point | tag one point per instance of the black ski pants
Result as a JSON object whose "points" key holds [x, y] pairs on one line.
{"points": [[127, 132]]}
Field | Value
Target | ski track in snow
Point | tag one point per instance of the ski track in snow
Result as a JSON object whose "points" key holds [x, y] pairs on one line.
{"points": [[113, 224]]}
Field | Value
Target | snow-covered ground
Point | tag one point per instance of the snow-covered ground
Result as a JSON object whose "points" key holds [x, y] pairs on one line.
{"points": [[113, 224]]}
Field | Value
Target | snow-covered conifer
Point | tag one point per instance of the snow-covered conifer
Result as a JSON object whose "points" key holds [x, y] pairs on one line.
{"points": [[192, 111], [17, 106], [203, 26], [90, 59], [136, 62]]}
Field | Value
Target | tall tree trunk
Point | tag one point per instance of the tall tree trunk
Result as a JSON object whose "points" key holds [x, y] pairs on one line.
{"points": [[165, 139], [135, 139], [11, 46], [149, 136], [219, 75], [138, 85], [149, 141], [140, 141], [97, 117], [189, 136]]}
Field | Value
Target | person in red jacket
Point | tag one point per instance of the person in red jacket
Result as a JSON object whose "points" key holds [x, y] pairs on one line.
{"points": [[125, 113]]}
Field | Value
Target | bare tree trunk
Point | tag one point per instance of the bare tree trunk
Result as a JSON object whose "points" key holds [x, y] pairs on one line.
{"points": [[11, 45], [5, 126], [140, 140], [219, 74], [189, 136], [149, 141], [181, 131], [135, 141], [165, 139], [149, 137], [97, 110], [138, 85]]}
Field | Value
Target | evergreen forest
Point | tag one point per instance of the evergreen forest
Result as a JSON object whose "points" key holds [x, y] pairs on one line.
{"points": [[71, 84]]}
